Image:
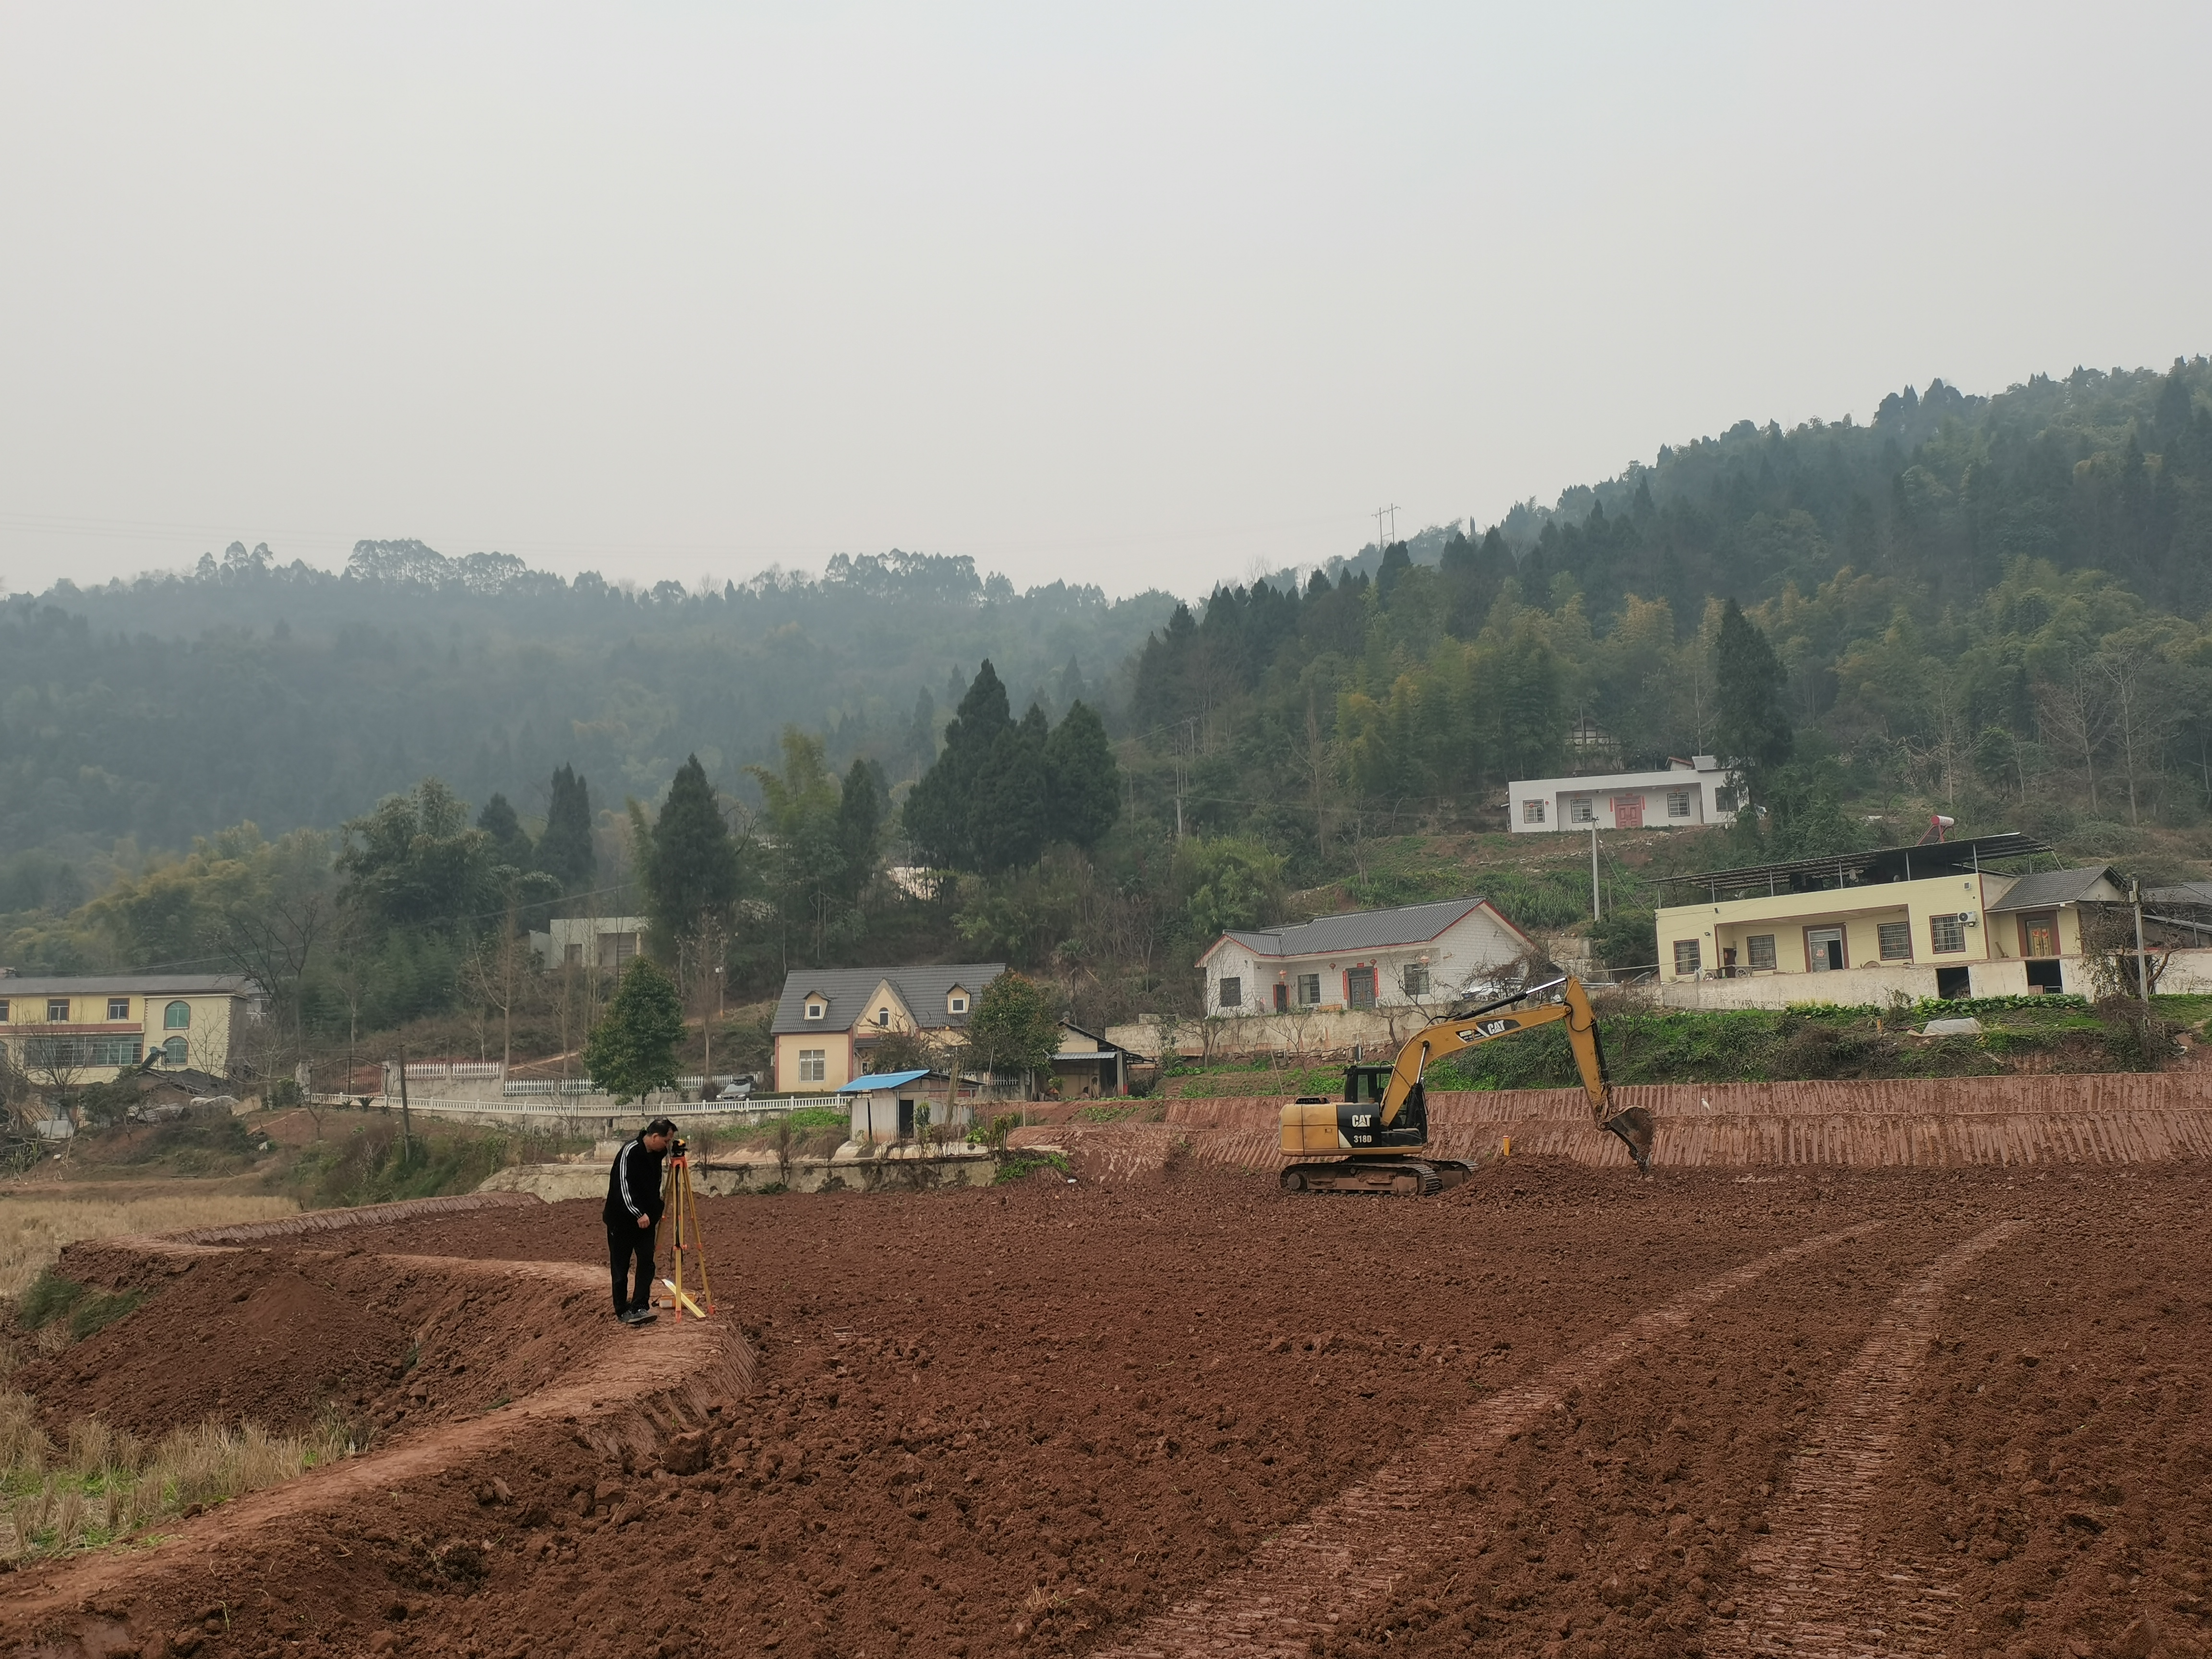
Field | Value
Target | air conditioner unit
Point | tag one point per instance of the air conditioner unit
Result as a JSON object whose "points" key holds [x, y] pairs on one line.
{"points": [[1968, 919]]}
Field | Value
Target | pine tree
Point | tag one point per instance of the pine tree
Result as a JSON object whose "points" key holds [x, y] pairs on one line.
{"points": [[1750, 723], [942, 812], [1396, 561], [1084, 783], [564, 851], [861, 810], [510, 843], [1013, 802], [689, 862]]}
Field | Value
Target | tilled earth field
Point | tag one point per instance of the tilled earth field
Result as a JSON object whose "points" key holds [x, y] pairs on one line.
{"points": [[1556, 1412]]}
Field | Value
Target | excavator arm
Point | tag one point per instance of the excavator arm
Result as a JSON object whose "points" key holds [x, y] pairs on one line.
{"points": [[1396, 1123], [1490, 1022]]}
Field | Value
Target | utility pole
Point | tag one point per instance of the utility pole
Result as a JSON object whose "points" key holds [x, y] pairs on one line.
{"points": [[406, 1140], [2143, 966], [1381, 541], [1597, 912]]}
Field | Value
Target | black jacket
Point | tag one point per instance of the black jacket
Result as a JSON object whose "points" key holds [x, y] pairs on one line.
{"points": [[633, 1185]]}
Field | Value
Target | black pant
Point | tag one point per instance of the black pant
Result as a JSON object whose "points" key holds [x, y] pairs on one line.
{"points": [[623, 1244]]}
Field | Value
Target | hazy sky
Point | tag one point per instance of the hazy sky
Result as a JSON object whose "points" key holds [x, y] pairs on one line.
{"points": [[1132, 294]]}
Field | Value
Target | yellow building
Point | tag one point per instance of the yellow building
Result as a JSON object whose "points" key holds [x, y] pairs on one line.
{"points": [[1922, 922], [828, 1020], [63, 1031]]}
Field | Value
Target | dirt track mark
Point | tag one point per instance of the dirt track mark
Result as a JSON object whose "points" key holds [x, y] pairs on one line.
{"points": [[1814, 1592], [1351, 1549], [638, 1387]]}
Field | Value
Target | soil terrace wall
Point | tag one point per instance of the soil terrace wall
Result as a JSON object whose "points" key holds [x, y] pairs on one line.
{"points": [[2104, 1118]]}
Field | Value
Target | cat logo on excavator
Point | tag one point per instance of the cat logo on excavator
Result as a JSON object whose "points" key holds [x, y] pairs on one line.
{"points": [[1388, 1105]]}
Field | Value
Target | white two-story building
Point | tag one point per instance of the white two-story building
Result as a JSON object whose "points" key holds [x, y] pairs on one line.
{"points": [[1416, 955], [1688, 792]]}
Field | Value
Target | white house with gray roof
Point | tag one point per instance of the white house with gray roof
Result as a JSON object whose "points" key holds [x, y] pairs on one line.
{"points": [[1416, 955], [830, 1019]]}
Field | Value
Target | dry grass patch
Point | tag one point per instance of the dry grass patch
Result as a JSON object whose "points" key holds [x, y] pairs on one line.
{"points": [[108, 1486], [34, 1229]]}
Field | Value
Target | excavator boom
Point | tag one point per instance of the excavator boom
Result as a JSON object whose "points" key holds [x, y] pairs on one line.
{"points": [[1379, 1141]]}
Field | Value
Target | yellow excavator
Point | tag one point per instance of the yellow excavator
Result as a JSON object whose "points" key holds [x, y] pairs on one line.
{"points": [[1375, 1139]]}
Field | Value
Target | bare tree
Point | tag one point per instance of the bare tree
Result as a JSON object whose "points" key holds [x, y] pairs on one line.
{"points": [[2076, 719], [495, 974], [2132, 669]]}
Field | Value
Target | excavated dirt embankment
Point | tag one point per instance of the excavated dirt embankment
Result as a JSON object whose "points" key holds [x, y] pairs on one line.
{"points": [[1559, 1410], [1936, 1123]]}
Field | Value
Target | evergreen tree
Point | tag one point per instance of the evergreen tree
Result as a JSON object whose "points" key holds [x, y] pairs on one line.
{"points": [[632, 1050], [942, 812], [861, 810], [689, 862], [1396, 561], [1084, 782], [510, 843], [564, 851], [1013, 805], [922, 732], [1751, 724]]}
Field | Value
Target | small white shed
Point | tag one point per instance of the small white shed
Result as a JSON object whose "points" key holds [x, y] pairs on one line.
{"points": [[889, 1107]]}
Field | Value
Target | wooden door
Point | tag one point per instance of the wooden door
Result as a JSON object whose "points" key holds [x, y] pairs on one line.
{"points": [[1628, 812]]}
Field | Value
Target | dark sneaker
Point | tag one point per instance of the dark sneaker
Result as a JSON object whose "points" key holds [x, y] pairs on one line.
{"points": [[640, 1317]]}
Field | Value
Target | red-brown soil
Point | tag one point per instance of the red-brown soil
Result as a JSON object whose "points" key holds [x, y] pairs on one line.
{"points": [[1560, 1410]]}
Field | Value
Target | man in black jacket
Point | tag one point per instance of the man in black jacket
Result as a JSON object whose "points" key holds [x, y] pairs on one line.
{"points": [[633, 1216]]}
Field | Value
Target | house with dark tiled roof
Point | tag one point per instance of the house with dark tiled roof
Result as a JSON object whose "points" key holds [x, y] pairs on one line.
{"points": [[1416, 955], [830, 1019]]}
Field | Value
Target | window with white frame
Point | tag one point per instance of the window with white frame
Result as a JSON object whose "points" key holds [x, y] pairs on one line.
{"points": [[1678, 803], [1947, 934], [1759, 951], [177, 1016], [58, 1010], [883, 1015], [1895, 939], [118, 1007], [957, 1002], [1583, 809], [811, 1067], [1532, 811], [1685, 957], [816, 1010]]}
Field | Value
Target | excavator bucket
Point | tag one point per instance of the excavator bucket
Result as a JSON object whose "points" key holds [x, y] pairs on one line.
{"points": [[1636, 1129]]}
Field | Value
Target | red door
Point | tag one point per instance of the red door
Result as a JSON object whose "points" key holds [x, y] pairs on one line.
{"points": [[1628, 812]]}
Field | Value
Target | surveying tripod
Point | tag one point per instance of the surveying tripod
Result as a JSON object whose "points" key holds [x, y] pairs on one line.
{"points": [[682, 1208]]}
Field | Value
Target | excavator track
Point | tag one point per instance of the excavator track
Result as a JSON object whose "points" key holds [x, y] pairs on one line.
{"points": [[1396, 1177]]}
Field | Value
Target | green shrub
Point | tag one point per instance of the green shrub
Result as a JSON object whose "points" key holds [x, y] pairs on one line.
{"points": [[50, 1297]]}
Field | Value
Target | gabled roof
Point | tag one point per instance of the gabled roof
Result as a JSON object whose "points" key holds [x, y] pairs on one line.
{"points": [[875, 1080], [2046, 889], [1363, 930], [846, 991]]}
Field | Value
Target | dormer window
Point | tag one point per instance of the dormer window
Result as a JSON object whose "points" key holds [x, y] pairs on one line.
{"points": [[957, 1002], [816, 1010]]}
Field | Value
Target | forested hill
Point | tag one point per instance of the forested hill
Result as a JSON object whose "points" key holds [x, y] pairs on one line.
{"points": [[1935, 580], [172, 706], [1998, 599]]}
